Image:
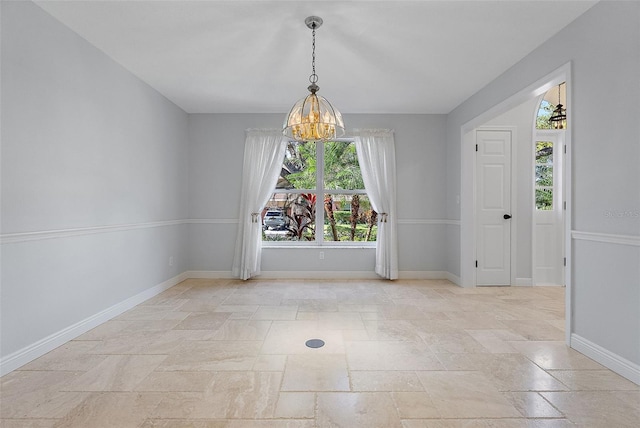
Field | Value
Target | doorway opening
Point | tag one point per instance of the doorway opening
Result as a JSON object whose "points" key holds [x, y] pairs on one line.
{"points": [[468, 226]]}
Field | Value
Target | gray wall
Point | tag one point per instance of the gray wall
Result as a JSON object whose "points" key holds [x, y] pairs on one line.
{"points": [[94, 180], [216, 148], [604, 48]]}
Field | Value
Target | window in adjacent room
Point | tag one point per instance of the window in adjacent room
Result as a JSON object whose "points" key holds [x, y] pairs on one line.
{"points": [[544, 175], [553, 98]]}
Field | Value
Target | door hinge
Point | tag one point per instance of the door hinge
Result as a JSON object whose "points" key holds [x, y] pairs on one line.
{"points": [[564, 205], [565, 149], [565, 262], [476, 147], [476, 263]]}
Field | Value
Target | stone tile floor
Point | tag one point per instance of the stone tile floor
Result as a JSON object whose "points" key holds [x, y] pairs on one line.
{"points": [[421, 353]]}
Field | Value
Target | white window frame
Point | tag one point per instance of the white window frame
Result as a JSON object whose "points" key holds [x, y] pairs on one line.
{"points": [[320, 191]]}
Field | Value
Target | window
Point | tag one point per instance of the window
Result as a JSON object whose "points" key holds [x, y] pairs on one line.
{"points": [[544, 175], [320, 183], [552, 98], [544, 113]]}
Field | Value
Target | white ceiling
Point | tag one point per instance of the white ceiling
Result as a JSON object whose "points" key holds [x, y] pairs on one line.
{"points": [[371, 56]]}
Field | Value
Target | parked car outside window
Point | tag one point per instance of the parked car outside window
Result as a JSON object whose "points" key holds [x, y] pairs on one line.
{"points": [[275, 220]]}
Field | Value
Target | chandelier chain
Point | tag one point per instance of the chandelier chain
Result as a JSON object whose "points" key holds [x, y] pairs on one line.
{"points": [[314, 77]]}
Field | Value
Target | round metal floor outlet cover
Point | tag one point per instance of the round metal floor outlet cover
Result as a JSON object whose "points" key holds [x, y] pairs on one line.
{"points": [[314, 343]]}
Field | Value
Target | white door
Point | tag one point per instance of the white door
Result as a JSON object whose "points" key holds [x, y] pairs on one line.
{"points": [[493, 207]]}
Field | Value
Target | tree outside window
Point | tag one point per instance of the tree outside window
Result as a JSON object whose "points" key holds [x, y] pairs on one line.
{"points": [[544, 113], [320, 183], [544, 175]]}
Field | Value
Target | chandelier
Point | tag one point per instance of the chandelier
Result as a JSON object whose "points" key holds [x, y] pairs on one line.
{"points": [[558, 119], [313, 118]]}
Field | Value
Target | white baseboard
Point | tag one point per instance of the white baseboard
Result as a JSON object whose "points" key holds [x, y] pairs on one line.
{"points": [[523, 282], [209, 274], [317, 274], [328, 275], [607, 358], [422, 274], [453, 278], [49, 343]]}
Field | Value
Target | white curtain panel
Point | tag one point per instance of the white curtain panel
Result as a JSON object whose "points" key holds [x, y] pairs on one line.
{"points": [[263, 156], [377, 157]]}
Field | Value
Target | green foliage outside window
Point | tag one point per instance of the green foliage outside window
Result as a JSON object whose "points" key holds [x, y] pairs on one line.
{"points": [[299, 167], [341, 170], [544, 199], [544, 113], [544, 175], [347, 216]]}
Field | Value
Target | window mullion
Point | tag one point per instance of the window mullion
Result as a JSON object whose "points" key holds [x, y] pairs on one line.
{"points": [[319, 193]]}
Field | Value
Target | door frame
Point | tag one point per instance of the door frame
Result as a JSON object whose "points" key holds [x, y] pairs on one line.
{"points": [[467, 179], [513, 195]]}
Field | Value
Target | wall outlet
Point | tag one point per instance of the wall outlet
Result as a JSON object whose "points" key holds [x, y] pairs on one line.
{"points": [[170, 260], [321, 255]]}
